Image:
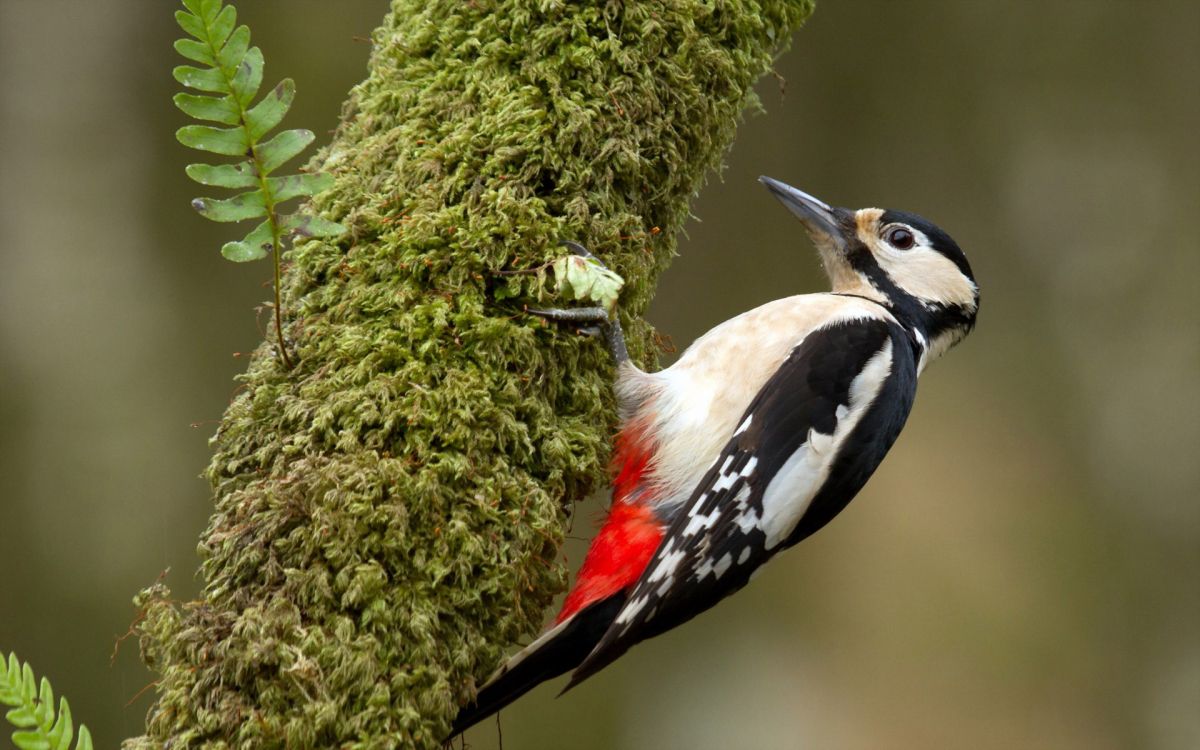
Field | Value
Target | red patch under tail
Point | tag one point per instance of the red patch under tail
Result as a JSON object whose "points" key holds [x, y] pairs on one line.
{"points": [[629, 537]]}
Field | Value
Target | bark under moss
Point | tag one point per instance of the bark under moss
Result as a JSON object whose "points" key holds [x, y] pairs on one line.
{"points": [[388, 512]]}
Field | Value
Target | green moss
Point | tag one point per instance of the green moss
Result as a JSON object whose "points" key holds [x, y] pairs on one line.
{"points": [[388, 513]]}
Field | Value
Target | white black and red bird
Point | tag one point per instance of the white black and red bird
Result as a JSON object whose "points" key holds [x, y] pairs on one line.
{"points": [[762, 431]]}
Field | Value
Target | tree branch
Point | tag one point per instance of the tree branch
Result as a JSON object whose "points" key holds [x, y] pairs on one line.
{"points": [[388, 512]]}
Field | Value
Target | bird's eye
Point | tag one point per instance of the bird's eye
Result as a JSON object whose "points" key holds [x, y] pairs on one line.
{"points": [[900, 238]]}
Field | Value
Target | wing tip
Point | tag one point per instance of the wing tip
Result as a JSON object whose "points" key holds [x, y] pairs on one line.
{"points": [[556, 651], [609, 649], [581, 673]]}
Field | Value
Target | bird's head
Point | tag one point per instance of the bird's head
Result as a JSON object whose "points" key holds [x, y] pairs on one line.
{"points": [[899, 259]]}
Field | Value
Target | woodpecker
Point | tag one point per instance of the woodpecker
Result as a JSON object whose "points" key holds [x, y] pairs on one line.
{"points": [[761, 432]]}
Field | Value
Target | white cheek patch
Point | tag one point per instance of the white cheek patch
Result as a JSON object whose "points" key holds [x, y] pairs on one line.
{"points": [[927, 274]]}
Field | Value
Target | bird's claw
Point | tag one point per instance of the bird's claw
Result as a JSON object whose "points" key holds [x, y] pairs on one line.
{"points": [[588, 321], [581, 251], [579, 315]]}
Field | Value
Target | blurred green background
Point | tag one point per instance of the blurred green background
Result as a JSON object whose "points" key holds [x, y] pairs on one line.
{"points": [[1021, 572]]}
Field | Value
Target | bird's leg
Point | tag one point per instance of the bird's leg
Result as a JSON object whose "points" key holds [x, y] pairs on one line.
{"points": [[590, 321]]}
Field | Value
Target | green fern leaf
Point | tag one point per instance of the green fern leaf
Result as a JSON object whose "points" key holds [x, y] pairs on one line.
{"points": [[37, 725], [270, 111], [296, 185], [254, 246], [191, 23], [248, 76], [311, 226], [60, 734], [195, 51], [204, 79], [21, 717], [282, 148], [225, 141], [215, 24], [224, 175], [218, 109], [248, 205], [30, 741], [236, 46], [222, 25], [230, 69]]}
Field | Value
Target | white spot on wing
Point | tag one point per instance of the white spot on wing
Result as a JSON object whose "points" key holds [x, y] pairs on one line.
{"points": [[723, 564], [748, 521], [748, 469], [630, 610], [668, 563], [698, 523], [724, 482], [716, 569], [801, 476], [745, 425]]}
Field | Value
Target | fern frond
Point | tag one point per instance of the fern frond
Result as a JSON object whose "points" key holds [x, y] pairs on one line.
{"points": [[232, 72], [32, 713]]}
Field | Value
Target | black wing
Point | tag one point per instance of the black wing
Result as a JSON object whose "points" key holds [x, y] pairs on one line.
{"points": [[754, 500]]}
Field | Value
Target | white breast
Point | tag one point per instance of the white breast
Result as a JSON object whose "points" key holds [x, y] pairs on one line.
{"points": [[692, 408]]}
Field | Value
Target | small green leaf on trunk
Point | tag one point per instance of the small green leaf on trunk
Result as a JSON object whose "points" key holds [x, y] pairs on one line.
{"points": [[586, 280]]}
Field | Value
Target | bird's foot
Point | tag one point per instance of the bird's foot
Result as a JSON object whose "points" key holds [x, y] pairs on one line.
{"points": [[589, 321]]}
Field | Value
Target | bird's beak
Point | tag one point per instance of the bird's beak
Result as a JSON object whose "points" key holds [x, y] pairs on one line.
{"points": [[823, 222]]}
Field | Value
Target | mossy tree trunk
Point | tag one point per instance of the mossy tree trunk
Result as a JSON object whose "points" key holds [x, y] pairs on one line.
{"points": [[388, 513]]}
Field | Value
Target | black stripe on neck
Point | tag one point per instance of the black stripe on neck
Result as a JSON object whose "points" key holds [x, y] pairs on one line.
{"points": [[924, 320]]}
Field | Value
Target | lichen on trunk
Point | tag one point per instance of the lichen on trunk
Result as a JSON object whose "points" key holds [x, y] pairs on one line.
{"points": [[389, 512]]}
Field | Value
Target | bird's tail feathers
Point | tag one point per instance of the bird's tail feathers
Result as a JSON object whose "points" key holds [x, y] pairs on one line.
{"points": [[555, 652]]}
